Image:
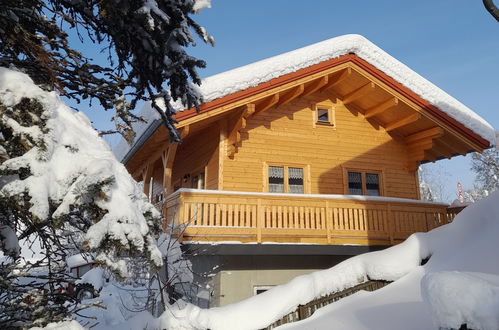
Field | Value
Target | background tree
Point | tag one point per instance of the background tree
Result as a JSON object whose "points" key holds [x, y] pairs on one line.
{"points": [[145, 41], [486, 168]]}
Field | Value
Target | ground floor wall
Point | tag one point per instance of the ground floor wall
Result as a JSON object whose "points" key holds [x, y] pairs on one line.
{"points": [[228, 273]]}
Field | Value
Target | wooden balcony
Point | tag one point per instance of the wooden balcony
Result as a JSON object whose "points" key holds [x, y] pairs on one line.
{"points": [[210, 215]]}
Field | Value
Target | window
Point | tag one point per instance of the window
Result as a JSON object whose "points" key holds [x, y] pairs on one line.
{"points": [[286, 179], [261, 289], [323, 114], [198, 181], [364, 183]]}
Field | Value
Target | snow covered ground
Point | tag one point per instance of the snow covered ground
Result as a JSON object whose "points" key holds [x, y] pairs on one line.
{"points": [[452, 295]]}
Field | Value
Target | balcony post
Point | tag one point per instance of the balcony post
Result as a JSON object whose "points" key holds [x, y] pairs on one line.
{"points": [[259, 220], [329, 222]]}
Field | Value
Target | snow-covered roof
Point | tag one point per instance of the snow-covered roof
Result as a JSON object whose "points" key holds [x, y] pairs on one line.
{"points": [[251, 75], [79, 259]]}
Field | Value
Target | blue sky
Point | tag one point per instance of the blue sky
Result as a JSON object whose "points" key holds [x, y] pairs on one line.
{"points": [[452, 43]]}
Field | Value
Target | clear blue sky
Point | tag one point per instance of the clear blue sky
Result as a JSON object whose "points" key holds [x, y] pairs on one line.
{"points": [[452, 43]]}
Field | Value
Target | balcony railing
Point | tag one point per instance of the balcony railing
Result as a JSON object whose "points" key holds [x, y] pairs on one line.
{"points": [[211, 215]]}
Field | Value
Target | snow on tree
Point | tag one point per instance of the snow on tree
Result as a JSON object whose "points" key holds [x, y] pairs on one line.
{"points": [[486, 167], [65, 180], [432, 183], [145, 40]]}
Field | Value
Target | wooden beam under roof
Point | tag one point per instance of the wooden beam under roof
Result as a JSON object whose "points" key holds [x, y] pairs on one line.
{"points": [[359, 92], [382, 107], [289, 96], [430, 155], [430, 133], [234, 139], [403, 122], [315, 85], [333, 82], [441, 149], [458, 149], [267, 103]]}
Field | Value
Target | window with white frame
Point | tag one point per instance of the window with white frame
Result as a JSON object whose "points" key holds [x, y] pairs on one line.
{"points": [[323, 114]]}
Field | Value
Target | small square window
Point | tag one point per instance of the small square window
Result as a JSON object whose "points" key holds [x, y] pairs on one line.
{"points": [[323, 115]]}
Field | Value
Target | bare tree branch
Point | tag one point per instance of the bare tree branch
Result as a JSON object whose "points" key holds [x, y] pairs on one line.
{"points": [[491, 8]]}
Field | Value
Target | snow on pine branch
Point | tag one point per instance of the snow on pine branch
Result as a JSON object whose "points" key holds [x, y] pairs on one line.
{"points": [[67, 174]]}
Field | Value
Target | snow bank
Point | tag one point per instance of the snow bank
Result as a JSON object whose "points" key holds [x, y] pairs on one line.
{"points": [[251, 75], [261, 310], [468, 246], [457, 298]]}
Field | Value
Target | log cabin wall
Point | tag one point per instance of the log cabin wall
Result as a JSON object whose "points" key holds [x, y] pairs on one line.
{"points": [[197, 153], [288, 135]]}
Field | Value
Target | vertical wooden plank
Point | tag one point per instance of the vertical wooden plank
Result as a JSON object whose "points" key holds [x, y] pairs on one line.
{"points": [[230, 215], [329, 222], [302, 217], [192, 214], [205, 207], [211, 221], [323, 217], [336, 221], [224, 215], [296, 217], [279, 217], [390, 224], [285, 217], [254, 216], [222, 152], [351, 223], [236, 215], [259, 221], [218, 214], [307, 217]]}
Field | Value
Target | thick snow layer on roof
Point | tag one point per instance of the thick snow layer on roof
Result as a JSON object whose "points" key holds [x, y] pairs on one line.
{"points": [[251, 75]]}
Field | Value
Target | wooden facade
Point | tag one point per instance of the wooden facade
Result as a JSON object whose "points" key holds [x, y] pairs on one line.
{"points": [[339, 116]]}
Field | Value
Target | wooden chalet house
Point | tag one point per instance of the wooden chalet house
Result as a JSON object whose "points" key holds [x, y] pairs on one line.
{"points": [[317, 148]]}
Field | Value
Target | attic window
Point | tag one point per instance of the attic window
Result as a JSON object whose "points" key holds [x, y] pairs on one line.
{"points": [[323, 114]]}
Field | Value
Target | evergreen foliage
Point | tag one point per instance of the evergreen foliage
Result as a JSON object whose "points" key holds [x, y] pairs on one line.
{"points": [[145, 41]]}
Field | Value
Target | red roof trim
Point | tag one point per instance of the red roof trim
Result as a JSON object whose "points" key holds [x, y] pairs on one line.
{"points": [[279, 81]]}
